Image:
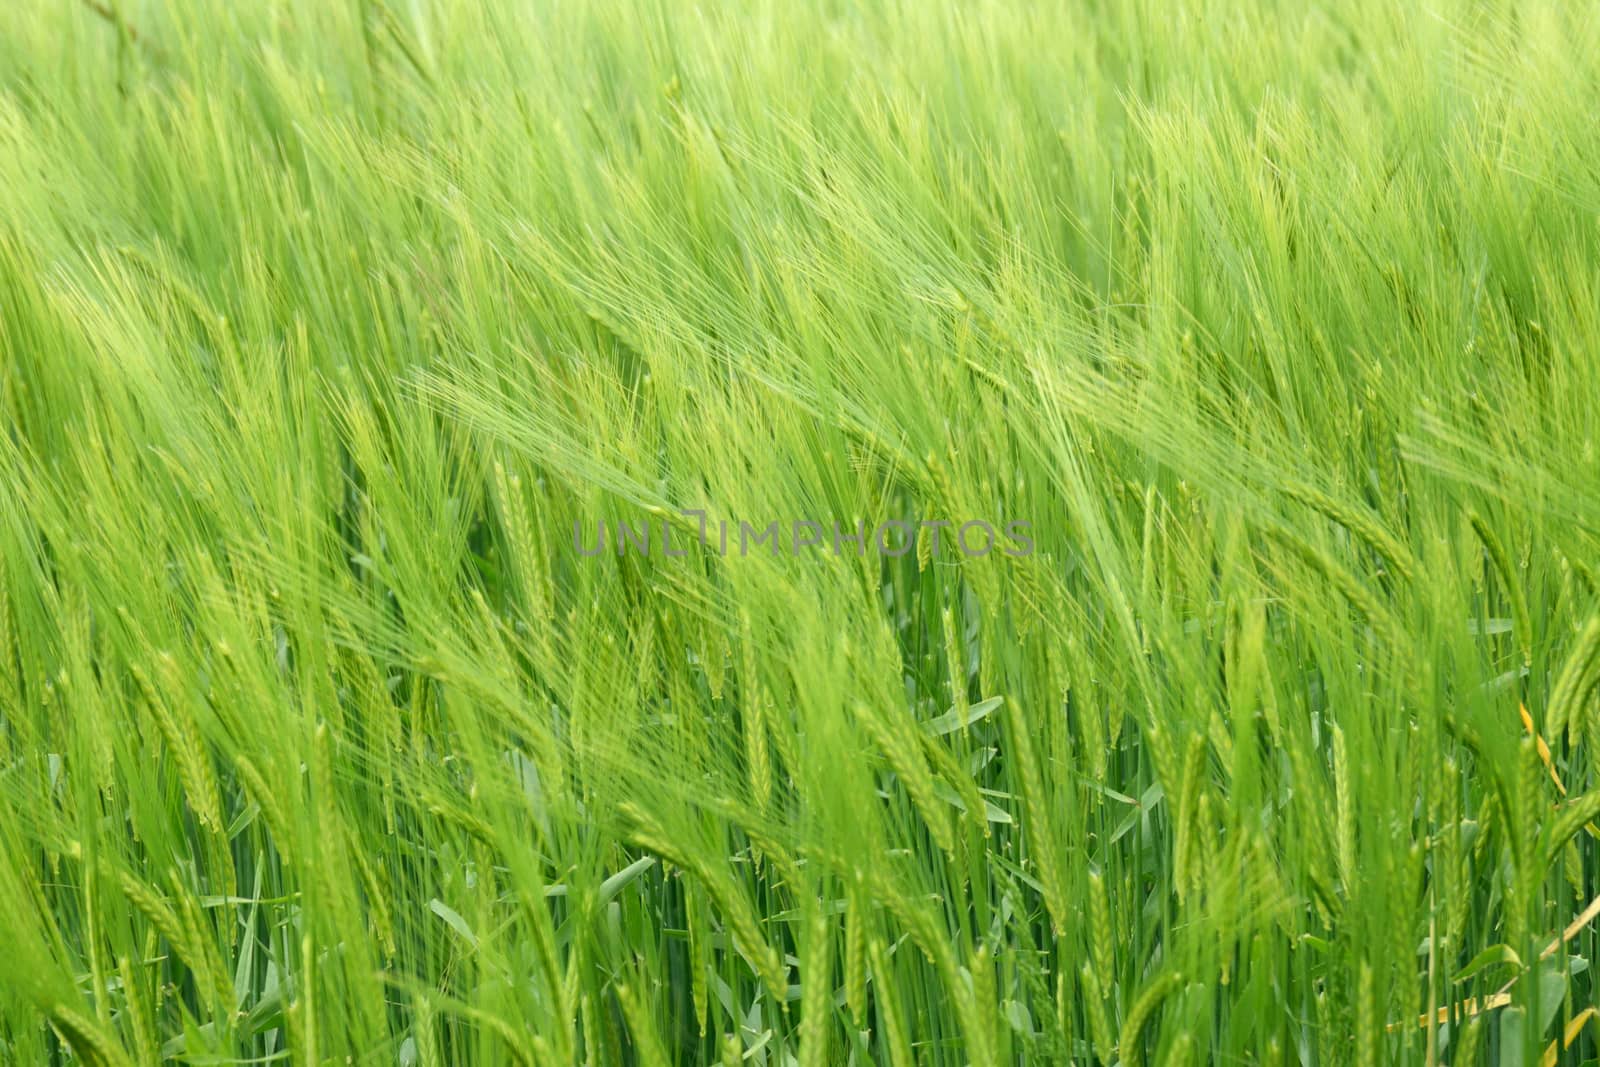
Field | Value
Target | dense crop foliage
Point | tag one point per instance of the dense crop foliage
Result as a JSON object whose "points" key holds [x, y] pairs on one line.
{"points": [[332, 333]]}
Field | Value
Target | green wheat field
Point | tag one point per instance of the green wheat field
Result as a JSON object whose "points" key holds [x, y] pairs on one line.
{"points": [[493, 515]]}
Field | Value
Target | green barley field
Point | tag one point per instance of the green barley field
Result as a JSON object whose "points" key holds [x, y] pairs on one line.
{"points": [[886, 534]]}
